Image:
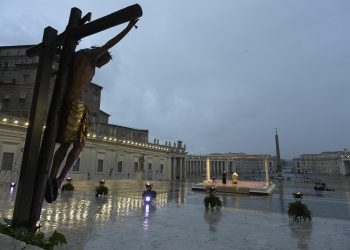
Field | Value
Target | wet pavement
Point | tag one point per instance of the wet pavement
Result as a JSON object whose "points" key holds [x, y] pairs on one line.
{"points": [[178, 220]]}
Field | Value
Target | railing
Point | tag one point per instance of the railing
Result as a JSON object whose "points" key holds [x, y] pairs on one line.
{"points": [[22, 122]]}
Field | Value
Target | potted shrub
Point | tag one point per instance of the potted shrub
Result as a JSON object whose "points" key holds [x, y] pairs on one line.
{"points": [[211, 201], [298, 211], [68, 186], [101, 189]]}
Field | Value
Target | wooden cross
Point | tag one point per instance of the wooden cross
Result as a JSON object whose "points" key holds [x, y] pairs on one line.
{"points": [[38, 153]]}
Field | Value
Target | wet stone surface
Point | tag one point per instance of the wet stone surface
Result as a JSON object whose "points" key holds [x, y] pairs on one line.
{"points": [[178, 220]]}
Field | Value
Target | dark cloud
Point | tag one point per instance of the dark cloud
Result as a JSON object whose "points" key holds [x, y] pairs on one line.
{"points": [[219, 75]]}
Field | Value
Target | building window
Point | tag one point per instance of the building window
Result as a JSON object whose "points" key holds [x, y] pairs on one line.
{"points": [[161, 168], [76, 165], [120, 166], [100, 166], [149, 166], [25, 77], [22, 104], [5, 104], [7, 161], [136, 166]]}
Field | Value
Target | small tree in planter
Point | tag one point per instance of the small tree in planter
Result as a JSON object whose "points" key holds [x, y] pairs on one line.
{"points": [[211, 201], [102, 189], [299, 211], [68, 186]]}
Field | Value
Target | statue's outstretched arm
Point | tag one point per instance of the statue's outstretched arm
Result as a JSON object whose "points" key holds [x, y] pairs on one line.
{"points": [[101, 50]]}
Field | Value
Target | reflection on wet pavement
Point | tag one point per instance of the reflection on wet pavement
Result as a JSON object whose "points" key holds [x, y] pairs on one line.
{"points": [[178, 213]]}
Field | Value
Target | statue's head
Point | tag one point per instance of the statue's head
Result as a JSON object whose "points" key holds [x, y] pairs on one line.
{"points": [[103, 59]]}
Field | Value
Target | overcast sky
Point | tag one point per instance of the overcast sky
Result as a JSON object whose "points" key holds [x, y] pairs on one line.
{"points": [[218, 75]]}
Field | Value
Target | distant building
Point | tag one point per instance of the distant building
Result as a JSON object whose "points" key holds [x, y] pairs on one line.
{"points": [[230, 162], [17, 79], [103, 157], [327, 163]]}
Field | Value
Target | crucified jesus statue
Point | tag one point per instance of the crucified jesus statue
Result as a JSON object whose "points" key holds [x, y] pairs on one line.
{"points": [[75, 116]]}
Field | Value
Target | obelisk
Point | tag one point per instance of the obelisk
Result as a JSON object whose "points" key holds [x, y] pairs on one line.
{"points": [[278, 157]]}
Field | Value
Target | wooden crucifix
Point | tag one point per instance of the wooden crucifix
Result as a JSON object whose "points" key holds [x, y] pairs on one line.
{"points": [[76, 69]]}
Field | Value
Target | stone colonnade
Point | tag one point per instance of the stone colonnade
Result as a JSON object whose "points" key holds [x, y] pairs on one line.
{"points": [[178, 167]]}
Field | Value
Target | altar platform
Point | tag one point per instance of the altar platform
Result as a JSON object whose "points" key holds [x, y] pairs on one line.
{"points": [[242, 187]]}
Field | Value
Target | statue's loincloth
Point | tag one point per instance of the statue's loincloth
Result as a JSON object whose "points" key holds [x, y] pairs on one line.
{"points": [[75, 123]]}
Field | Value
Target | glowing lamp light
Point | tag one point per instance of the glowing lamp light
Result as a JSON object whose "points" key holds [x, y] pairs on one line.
{"points": [[4, 120], [13, 184], [105, 138], [15, 122], [26, 124], [94, 136], [298, 195], [147, 198]]}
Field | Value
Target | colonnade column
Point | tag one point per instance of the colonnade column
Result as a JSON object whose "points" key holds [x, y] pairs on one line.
{"points": [[180, 166], [185, 167], [172, 169]]}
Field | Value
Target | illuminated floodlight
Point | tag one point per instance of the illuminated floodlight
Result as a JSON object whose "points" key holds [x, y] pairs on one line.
{"points": [[15, 122]]}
